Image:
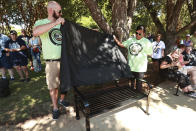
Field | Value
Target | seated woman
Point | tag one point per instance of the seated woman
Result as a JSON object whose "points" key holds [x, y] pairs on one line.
{"points": [[189, 64], [171, 66]]}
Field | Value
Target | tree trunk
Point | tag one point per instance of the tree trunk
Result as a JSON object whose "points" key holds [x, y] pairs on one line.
{"points": [[170, 41], [98, 16], [119, 19], [122, 13], [192, 12]]}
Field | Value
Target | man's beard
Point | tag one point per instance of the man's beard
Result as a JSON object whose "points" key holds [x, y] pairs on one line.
{"points": [[55, 16]]}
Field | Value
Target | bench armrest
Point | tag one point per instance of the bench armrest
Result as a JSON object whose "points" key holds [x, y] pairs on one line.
{"points": [[84, 100]]}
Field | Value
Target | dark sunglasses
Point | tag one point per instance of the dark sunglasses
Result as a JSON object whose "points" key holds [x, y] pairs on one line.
{"points": [[138, 33]]}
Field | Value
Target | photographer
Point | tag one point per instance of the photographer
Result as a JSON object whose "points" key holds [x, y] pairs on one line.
{"points": [[171, 66]]}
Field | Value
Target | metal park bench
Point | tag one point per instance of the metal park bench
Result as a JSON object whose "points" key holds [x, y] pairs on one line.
{"points": [[97, 101]]}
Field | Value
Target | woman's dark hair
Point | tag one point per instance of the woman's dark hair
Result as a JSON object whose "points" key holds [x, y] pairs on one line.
{"points": [[141, 27]]}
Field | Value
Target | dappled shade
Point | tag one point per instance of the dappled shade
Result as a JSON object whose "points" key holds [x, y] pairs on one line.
{"points": [[89, 57]]}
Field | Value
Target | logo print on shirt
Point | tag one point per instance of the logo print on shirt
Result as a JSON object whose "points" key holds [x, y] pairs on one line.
{"points": [[14, 45], [135, 48], [156, 50], [55, 36]]}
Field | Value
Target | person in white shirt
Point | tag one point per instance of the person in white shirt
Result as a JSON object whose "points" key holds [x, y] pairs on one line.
{"points": [[158, 47]]}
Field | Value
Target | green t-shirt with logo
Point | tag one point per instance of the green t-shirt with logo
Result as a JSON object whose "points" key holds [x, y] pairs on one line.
{"points": [[51, 41], [137, 53]]}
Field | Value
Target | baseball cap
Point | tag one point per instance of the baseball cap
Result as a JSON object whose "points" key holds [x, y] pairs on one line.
{"points": [[13, 32], [188, 35]]}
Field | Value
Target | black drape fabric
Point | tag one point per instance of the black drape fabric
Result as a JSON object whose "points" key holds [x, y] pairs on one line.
{"points": [[89, 57]]}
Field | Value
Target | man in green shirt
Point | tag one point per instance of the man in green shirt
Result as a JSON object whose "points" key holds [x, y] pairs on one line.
{"points": [[138, 49], [193, 39], [49, 31]]}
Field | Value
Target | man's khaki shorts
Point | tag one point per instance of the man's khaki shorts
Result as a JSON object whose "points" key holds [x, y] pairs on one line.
{"points": [[52, 74]]}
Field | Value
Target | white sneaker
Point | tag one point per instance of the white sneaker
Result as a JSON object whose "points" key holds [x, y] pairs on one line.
{"points": [[192, 94]]}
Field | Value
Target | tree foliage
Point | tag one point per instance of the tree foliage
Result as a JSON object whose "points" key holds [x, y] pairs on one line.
{"points": [[176, 20], [26, 12], [22, 12], [119, 17]]}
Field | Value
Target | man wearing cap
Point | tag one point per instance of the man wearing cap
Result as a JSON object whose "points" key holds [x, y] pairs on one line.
{"points": [[15, 48], [188, 42], [139, 48], [4, 60], [193, 39]]}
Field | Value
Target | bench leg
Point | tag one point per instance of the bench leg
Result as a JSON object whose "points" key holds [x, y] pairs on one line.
{"points": [[148, 104], [176, 94], [87, 124], [76, 108]]}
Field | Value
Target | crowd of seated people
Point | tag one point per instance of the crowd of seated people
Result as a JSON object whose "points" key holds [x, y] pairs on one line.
{"points": [[180, 66]]}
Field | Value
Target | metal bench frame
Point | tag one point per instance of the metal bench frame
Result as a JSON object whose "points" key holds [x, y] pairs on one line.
{"points": [[95, 103]]}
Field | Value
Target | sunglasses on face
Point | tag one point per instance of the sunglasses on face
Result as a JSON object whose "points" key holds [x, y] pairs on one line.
{"points": [[138, 33]]}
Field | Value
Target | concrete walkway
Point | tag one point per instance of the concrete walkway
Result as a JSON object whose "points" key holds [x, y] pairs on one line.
{"points": [[167, 113]]}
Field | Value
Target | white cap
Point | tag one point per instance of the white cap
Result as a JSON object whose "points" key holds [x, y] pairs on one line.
{"points": [[188, 35]]}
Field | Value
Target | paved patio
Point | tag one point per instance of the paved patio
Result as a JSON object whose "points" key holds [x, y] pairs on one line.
{"points": [[167, 113]]}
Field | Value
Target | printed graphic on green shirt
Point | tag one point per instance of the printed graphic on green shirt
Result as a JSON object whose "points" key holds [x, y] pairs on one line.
{"points": [[55, 36], [135, 48]]}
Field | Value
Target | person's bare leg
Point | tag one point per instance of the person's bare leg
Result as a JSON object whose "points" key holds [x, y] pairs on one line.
{"points": [[54, 97], [19, 70], [25, 70], [193, 78], [189, 88], [11, 73], [3, 72]]}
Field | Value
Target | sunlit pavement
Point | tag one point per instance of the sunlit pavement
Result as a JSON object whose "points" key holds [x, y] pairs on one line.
{"points": [[167, 113]]}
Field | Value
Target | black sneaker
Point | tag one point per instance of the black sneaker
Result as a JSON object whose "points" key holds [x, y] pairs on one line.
{"points": [[63, 103], [55, 114], [3, 78], [12, 78]]}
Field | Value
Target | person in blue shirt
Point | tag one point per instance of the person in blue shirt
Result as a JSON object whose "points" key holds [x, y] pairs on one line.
{"points": [[5, 60], [16, 49], [187, 41]]}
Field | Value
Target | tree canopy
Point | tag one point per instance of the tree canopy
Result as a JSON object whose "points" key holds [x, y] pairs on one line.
{"points": [[120, 17]]}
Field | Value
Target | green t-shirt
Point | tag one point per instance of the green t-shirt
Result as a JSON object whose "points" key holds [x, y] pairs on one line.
{"points": [[51, 41], [137, 53], [193, 39]]}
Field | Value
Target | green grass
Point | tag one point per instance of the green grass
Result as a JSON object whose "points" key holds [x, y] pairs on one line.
{"points": [[27, 99]]}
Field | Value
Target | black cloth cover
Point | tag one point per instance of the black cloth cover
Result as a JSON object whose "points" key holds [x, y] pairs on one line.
{"points": [[89, 57]]}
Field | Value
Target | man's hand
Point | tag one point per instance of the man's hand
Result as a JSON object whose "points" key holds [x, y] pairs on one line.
{"points": [[60, 21], [18, 49]]}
